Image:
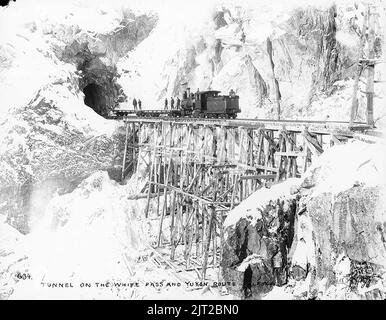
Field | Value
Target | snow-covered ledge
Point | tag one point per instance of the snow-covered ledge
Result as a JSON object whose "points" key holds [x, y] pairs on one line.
{"points": [[308, 237]]}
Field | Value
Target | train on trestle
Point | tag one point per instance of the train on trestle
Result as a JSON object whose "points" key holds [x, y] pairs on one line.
{"points": [[202, 104]]}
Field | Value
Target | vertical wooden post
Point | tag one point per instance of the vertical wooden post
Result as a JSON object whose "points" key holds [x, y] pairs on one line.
{"points": [[241, 190], [165, 199], [172, 211], [134, 146], [203, 222], [280, 158], [207, 243], [158, 187], [235, 182], [221, 226], [177, 225], [197, 230], [214, 237], [370, 69], [124, 154], [151, 173], [190, 233]]}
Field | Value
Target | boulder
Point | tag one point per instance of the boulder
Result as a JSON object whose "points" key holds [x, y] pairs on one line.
{"points": [[325, 237], [255, 249], [49, 148], [349, 223]]}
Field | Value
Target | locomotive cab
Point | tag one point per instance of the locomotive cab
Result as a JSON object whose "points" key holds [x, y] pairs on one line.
{"points": [[211, 104], [202, 97]]}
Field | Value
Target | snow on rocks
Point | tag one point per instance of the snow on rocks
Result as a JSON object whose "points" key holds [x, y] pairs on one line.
{"points": [[253, 206], [93, 243], [259, 233], [50, 140], [46, 130], [344, 166], [331, 217], [205, 50], [13, 258], [54, 137], [91, 235]]}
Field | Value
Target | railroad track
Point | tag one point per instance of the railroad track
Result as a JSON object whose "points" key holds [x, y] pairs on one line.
{"points": [[323, 127]]}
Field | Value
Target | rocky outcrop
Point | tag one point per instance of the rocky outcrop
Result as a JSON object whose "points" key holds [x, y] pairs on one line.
{"points": [[95, 57], [256, 254], [351, 223], [48, 149], [51, 133], [316, 241], [91, 234], [308, 243], [314, 50], [259, 236], [13, 259]]}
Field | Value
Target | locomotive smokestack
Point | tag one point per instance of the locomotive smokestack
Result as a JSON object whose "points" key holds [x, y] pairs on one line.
{"points": [[188, 91]]}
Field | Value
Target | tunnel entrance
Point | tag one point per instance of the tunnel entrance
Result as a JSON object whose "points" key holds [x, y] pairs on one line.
{"points": [[95, 98]]}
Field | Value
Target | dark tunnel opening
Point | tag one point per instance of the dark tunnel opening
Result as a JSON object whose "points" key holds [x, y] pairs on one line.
{"points": [[95, 98]]}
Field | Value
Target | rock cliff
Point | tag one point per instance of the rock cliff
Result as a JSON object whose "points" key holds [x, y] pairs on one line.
{"points": [[314, 237]]}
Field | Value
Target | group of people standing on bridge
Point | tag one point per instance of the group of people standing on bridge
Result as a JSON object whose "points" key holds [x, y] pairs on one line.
{"points": [[137, 103], [174, 104], [187, 94]]}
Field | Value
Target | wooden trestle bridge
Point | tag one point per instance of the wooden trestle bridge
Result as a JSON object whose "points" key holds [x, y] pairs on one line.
{"points": [[199, 169]]}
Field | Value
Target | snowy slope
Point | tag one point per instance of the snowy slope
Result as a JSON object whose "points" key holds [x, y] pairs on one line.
{"points": [[50, 141], [337, 223], [200, 46]]}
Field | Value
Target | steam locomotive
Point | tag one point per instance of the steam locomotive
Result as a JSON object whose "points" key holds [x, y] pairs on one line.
{"points": [[202, 104]]}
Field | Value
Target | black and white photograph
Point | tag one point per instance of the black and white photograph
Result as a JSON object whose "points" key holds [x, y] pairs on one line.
{"points": [[204, 150]]}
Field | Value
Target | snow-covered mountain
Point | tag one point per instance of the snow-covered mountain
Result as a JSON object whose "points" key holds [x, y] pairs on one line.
{"points": [[65, 65], [223, 45], [155, 49]]}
